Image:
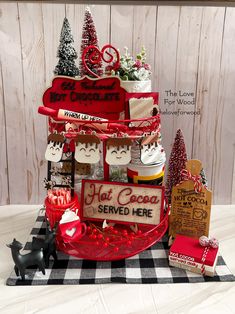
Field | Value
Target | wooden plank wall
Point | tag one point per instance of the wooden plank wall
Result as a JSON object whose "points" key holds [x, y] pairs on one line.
{"points": [[191, 49]]}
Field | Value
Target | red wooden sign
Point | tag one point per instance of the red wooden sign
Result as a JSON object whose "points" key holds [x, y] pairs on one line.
{"points": [[122, 202], [99, 97]]}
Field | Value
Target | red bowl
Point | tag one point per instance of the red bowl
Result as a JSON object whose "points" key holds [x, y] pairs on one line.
{"points": [[117, 248]]}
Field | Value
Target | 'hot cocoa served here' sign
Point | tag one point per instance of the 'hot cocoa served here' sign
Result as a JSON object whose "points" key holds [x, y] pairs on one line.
{"points": [[122, 202]]}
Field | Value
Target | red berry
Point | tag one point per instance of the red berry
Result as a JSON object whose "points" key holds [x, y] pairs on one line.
{"points": [[107, 239], [88, 229], [100, 236], [116, 249], [95, 231], [97, 242], [115, 231], [94, 236], [105, 244], [129, 242], [139, 232]]}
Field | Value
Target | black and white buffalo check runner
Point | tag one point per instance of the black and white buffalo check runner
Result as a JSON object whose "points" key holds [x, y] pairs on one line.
{"points": [[150, 266]]}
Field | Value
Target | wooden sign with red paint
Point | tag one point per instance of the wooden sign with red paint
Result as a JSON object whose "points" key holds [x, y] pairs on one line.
{"points": [[190, 209], [122, 202], [103, 97]]}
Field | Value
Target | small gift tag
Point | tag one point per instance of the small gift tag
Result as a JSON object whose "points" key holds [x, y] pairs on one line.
{"points": [[55, 147], [191, 204], [87, 148], [118, 151]]}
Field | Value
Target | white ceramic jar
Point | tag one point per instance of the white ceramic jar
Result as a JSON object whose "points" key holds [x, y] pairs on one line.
{"points": [[137, 86]]}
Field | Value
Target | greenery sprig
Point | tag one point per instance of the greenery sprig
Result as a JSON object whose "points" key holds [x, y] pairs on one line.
{"points": [[133, 69]]}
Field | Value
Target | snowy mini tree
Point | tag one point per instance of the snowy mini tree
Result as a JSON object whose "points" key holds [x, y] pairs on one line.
{"points": [[177, 162], [66, 53], [89, 37], [203, 178]]}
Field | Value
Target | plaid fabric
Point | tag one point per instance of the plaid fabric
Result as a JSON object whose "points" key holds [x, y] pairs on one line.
{"points": [[150, 266]]}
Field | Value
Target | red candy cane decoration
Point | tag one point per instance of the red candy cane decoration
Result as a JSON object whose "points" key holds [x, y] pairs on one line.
{"points": [[96, 55]]}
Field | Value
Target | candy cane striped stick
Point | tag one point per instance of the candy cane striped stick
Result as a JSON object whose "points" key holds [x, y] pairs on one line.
{"points": [[207, 243], [203, 270]]}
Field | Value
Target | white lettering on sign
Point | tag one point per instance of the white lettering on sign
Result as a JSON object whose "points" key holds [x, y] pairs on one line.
{"points": [[122, 202]]}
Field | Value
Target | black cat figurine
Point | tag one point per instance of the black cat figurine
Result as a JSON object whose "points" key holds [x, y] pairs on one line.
{"points": [[23, 261], [47, 244]]}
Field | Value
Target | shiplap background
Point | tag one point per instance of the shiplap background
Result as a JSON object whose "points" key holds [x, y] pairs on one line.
{"points": [[189, 48]]}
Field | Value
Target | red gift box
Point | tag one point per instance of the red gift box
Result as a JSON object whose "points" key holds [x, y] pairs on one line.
{"points": [[189, 254]]}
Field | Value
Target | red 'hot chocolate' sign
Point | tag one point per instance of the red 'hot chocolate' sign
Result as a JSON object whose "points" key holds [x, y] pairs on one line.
{"points": [[104, 97], [126, 203]]}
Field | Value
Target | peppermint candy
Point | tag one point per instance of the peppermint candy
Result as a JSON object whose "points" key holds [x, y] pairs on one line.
{"points": [[211, 242]]}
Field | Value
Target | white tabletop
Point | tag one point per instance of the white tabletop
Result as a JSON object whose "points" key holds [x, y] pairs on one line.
{"points": [[218, 297]]}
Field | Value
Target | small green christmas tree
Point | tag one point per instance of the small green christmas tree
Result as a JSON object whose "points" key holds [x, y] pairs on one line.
{"points": [[177, 162], [89, 38], [66, 53]]}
